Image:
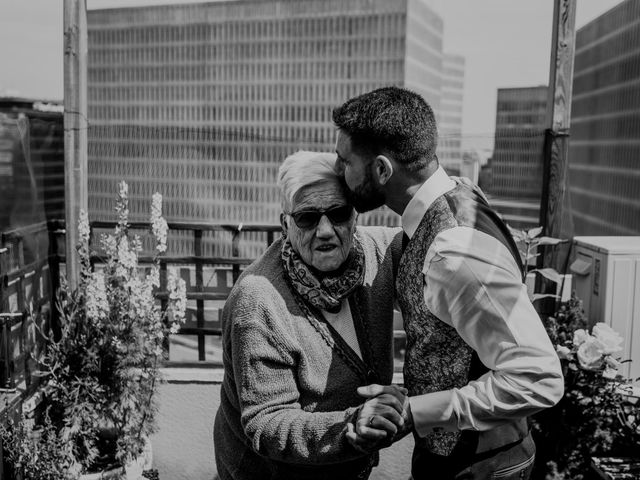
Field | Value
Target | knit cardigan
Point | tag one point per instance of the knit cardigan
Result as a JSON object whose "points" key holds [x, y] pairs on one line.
{"points": [[289, 387]]}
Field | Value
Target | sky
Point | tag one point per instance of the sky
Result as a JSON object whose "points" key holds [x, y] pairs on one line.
{"points": [[506, 43]]}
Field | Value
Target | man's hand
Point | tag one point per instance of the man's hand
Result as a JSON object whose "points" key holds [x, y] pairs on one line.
{"points": [[382, 419]]}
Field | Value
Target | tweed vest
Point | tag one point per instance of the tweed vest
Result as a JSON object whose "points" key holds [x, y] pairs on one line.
{"points": [[436, 357]]}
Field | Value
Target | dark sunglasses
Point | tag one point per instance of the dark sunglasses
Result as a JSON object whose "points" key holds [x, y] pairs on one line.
{"points": [[310, 218]]}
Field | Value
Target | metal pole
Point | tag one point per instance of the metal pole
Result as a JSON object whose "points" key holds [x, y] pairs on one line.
{"points": [[75, 128]]}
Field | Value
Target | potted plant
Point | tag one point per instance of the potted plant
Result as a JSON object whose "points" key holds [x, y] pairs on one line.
{"points": [[599, 414], [103, 370]]}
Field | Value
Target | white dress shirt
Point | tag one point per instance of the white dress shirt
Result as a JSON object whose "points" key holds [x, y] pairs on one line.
{"points": [[475, 286]]}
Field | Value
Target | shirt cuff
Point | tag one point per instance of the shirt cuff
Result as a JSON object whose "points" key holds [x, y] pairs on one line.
{"points": [[433, 410]]}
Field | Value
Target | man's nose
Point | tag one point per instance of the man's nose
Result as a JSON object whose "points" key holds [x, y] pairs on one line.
{"points": [[324, 228], [339, 168]]}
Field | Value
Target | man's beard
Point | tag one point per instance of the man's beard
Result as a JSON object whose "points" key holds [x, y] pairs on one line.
{"points": [[367, 196]]}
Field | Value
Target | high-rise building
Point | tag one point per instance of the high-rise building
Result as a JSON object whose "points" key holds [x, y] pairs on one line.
{"points": [[203, 101], [604, 150], [450, 118], [517, 161]]}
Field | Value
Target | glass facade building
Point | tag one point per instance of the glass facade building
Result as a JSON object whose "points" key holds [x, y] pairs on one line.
{"points": [[203, 101], [450, 125], [604, 151], [517, 161]]}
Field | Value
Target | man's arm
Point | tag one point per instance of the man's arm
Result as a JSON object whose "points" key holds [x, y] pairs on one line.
{"points": [[473, 284]]}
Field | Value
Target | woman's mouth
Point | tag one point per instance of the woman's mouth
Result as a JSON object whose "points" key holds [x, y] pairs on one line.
{"points": [[325, 248]]}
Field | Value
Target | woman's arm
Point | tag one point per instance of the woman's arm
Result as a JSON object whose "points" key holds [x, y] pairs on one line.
{"points": [[271, 414]]}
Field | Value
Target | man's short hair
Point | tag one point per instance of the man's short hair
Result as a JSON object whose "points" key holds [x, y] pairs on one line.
{"points": [[304, 169], [390, 120]]}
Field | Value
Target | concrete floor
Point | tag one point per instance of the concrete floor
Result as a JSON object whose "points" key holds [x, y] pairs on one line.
{"points": [[183, 445]]}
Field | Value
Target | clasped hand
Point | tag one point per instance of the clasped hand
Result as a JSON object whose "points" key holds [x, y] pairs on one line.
{"points": [[384, 418]]}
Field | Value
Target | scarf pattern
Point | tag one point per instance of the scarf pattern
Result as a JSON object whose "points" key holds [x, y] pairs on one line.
{"points": [[324, 292]]}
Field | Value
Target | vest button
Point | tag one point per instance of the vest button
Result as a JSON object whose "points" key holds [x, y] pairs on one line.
{"points": [[372, 377]]}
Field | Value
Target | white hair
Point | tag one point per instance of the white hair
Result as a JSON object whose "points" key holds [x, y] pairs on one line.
{"points": [[303, 169]]}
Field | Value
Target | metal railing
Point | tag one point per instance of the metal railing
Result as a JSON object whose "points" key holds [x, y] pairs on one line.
{"points": [[27, 288]]}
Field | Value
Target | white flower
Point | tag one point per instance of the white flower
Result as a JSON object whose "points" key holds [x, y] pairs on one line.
{"points": [[159, 225], [563, 352], [612, 362], [97, 302], [177, 296], [84, 231], [126, 257], [611, 340], [590, 353], [609, 373], [153, 278], [175, 327], [579, 337], [123, 189]]}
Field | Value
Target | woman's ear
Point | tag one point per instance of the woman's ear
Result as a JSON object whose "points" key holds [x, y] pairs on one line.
{"points": [[383, 168], [283, 223]]}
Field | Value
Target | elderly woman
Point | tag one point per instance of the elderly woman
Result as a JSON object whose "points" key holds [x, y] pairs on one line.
{"points": [[304, 326]]}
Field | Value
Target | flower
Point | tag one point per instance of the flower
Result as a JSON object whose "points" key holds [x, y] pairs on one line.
{"points": [[177, 299], [596, 413], [580, 336], [84, 231], [159, 225], [563, 352], [610, 339], [97, 302], [590, 353], [104, 368]]}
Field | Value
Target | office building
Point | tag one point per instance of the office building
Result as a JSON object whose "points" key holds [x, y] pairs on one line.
{"points": [[203, 101], [604, 150], [517, 161], [450, 118]]}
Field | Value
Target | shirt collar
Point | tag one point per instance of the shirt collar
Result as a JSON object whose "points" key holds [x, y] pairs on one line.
{"points": [[437, 184]]}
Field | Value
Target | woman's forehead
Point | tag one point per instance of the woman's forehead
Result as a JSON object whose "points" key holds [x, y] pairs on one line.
{"points": [[319, 196]]}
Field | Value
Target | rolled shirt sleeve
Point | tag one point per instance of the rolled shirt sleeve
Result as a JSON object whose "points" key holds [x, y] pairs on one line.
{"points": [[473, 284]]}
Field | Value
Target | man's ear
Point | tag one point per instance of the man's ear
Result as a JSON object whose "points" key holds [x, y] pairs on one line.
{"points": [[283, 223], [383, 168]]}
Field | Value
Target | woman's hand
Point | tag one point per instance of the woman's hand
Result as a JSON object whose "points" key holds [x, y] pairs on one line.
{"points": [[382, 419]]}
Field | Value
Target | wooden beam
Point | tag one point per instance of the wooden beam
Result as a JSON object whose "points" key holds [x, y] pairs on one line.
{"points": [[75, 128], [554, 214]]}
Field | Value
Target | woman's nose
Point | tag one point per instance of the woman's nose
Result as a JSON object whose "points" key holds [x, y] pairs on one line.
{"points": [[325, 227], [339, 167]]}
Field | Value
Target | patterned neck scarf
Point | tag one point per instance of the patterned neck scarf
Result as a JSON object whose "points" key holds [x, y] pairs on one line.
{"points": [[325, 292]]}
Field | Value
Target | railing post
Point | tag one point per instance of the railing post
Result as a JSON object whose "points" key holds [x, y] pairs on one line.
{"points": [[235, 252], [197, 250]]}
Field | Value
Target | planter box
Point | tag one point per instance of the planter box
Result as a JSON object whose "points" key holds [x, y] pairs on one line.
{"points": [[616, 468]]}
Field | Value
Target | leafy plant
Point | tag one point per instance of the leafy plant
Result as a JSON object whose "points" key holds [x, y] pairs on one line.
{"points": [[36, 454], [103, 370], [528, 242], [597, 415]]}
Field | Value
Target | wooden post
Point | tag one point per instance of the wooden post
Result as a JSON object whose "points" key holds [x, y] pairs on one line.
{"points": [[556, 155], [75, 128]]}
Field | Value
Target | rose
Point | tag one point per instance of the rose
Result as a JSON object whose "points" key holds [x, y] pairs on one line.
{"points": [[590, 353], [580, 336], [610, 339], [563, 352]]}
